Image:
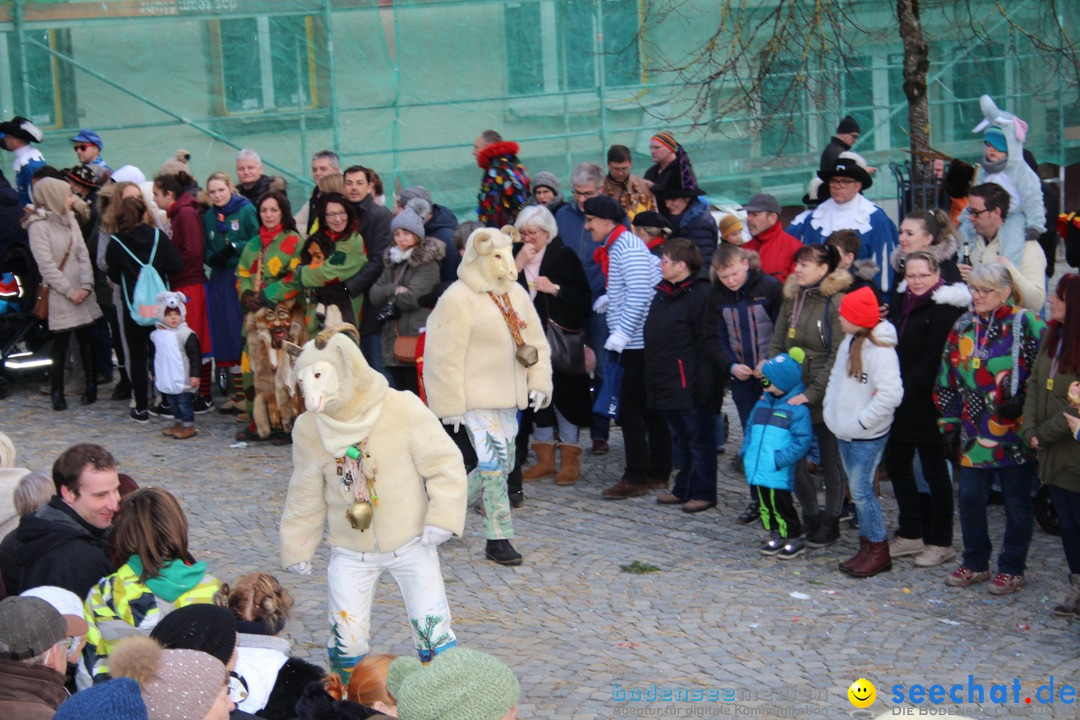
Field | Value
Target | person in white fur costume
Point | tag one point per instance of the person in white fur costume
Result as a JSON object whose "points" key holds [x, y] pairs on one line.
{"points": [[377, 465], [485, 358]]}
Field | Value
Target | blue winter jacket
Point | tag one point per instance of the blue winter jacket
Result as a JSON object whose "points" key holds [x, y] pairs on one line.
{"points": [[777, 436]]}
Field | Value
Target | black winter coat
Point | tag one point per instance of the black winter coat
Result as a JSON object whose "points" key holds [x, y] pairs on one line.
{"points": [[442, 225], [57, 547], [140, 241], [922, 339], [679, 374], [375, 230], [570, 309]]}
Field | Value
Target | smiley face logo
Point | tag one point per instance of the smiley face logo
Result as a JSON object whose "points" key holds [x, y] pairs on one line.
{"points": [[862, 693]]}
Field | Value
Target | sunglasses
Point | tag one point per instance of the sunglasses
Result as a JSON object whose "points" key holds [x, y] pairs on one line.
{"points": [[81, 147]]}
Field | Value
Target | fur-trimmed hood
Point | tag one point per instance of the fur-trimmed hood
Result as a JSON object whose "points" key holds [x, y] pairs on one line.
{"points": [[431, 249], [956, 294], [865, 269], [494, 150], [835, 282], [940, 251]]}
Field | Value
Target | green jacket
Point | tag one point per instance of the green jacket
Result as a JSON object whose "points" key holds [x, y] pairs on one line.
{"points": [[1059, 458], [222, 249], [274, 279], [816, 330], [348, 258]]}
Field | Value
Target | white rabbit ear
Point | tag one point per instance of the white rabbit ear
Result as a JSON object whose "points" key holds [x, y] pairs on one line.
{"points": [[981, 126]]}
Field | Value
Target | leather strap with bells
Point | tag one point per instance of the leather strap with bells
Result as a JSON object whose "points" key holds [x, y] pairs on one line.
{"points": [[526, 354], [362, 510]]}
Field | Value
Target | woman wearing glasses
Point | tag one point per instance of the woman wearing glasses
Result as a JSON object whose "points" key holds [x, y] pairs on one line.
{"points": [[332, 255], [980, 392], [923, 309]]}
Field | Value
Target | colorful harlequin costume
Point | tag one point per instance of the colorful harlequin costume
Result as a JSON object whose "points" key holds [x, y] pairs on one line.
{"points": [[362, 443], [504, 188]]}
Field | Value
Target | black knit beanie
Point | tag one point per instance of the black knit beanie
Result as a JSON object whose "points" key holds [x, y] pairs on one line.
{"points": [[208, 628]]}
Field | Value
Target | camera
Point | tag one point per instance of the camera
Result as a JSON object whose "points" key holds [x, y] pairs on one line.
{"points": [[387, 312]]}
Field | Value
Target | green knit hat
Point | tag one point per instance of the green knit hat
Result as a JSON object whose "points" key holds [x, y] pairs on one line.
{"points": [[459, 684]]}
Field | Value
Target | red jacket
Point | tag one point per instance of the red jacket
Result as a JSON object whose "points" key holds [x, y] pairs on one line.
{"points": [[777, 250], [188, 238]]}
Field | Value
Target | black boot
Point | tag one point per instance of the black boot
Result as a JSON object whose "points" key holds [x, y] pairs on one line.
{"points": [[89, 362], [827, 532], [122, 391], [56, 376], [502, 552]]}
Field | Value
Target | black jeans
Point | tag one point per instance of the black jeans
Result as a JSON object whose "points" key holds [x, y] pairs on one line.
{"points": [[60, 340], [646, 436], [899, 463], [1067, 506], [835, 477], [137, 338]]}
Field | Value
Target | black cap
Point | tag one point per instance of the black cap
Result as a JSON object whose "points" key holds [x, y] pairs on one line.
{"points": [[605, 207]]}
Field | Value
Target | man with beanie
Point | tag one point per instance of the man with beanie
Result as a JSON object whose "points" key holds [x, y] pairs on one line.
{"points": [[631, 274], [459, 684], [88, 146], [767, 237], [847, 132], [33, 658], [439, 222], [631, 191], [18, 134], [777, 436], [504, 187], [848, 209], [671, 166]]}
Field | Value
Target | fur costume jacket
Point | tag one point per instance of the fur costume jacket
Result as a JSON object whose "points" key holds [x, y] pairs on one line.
{"points": [[419, 474], [469, 354], [816, 329], [504, 188]]}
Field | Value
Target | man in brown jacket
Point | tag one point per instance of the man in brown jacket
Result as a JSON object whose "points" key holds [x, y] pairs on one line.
{"points": [[33, 658]]}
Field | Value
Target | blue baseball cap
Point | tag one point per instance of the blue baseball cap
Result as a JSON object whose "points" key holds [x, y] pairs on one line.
{"points": [[86, 135]]}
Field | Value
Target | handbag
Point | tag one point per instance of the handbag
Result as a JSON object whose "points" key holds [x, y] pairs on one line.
{"points": [[41, 303], [607, 397], [567, 347], [405, 347]]}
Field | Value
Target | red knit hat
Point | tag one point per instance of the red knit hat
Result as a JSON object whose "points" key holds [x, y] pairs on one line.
{"points": [[861, 308]]}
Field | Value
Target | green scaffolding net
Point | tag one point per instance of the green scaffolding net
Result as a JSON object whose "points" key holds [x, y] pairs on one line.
{"points": [[404, 87]]}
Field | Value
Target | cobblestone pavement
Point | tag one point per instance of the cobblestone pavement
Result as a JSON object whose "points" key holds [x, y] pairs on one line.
{"points": [[757, 635]]}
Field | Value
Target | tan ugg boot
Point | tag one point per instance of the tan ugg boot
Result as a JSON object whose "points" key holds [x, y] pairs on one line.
{"points": [[544, 468], [570, 461]]}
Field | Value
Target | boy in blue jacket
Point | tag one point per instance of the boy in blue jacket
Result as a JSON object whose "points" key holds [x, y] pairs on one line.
{"points": [[776, 437]]}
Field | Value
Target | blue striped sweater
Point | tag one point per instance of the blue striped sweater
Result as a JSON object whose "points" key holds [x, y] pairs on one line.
{"points": [[633, 273]]}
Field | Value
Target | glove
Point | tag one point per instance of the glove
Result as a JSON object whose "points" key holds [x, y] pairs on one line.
{"points": [[536, 399], [616, 341], [600, 306], [1032, 234], [1011, 409], [950, 443], [434, 536], [250, 301], [456, 420], [301, 568]]}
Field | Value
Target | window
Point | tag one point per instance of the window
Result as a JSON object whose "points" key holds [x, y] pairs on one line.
{"points": [[785, 131], [976, 71], [44, 78], [267, 63], [571, 45]]}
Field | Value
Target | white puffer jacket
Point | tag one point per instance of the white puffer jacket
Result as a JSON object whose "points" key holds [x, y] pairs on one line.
{"points": [[862, 408]]}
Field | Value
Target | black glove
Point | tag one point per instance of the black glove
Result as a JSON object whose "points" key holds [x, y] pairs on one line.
{"points": [[950, 443], [1010, 408]]}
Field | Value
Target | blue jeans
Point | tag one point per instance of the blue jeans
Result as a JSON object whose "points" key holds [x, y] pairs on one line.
{"points": [[973, 492], [745, 393], [861, 458], [183, 406], [693, 433], [371, 349], [1067, 506]]}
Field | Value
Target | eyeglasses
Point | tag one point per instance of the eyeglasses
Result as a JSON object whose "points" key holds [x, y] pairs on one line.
{"points": [[71, 644], [586, 195], [977, 213], [336, 214], [923, 277], [80, 148], [983, 292], [842, 182]]}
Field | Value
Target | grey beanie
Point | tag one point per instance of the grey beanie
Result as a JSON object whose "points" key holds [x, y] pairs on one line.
{"points": [[412, 192], [546, 179], [412, 217]]}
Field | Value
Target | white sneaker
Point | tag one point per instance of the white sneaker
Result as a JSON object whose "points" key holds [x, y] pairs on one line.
{"points": [[935, 555], [901, 546]]}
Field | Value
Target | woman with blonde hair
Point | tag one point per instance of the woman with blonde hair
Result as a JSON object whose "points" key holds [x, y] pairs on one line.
{"points": [[160, 575]]}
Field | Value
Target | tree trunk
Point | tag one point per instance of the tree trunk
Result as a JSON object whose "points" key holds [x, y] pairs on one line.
{"points": [[916, 66]]}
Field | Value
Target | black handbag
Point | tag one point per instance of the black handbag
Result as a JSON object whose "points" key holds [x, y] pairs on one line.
{"points": [[567, 347]]}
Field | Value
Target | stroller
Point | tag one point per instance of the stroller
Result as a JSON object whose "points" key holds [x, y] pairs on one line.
{"points": [[25, 341]]}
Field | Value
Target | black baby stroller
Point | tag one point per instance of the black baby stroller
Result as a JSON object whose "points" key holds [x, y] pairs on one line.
{"points": [[25, 341]]}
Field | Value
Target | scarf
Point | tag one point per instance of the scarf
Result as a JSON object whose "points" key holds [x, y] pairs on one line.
{"points": [[236, 202], [398, 255], [267, 235], [600, 254], [912, 301], [994, 167], [532, 271], [657, 242]]}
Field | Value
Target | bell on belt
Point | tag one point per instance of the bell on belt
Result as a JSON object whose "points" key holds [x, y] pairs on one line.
{"points": [[359, 515], [527, 355]]}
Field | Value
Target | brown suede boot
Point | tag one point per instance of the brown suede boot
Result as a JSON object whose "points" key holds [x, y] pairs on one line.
{"points": [[570, 461], [875, 560], [544, 468], [863, 547]]}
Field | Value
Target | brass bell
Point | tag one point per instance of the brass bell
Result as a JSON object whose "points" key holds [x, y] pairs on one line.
{"points": [[359, 515], [527, 355]]}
